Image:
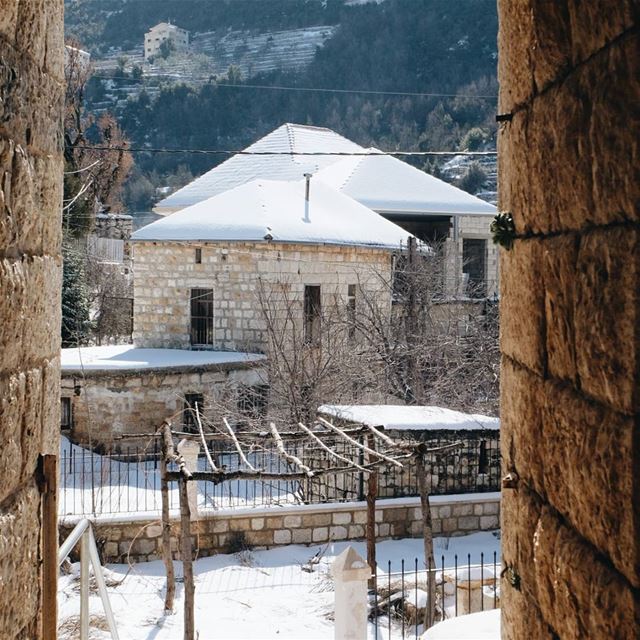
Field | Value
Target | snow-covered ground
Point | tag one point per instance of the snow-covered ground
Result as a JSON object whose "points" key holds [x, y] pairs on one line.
{"points": [[254, 595], [475, 626]]}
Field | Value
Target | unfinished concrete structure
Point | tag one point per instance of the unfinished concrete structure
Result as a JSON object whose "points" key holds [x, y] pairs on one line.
{"points": [[31, 94], [568, 173]]}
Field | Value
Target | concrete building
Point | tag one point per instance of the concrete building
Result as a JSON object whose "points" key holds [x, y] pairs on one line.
{"points": [[164, 32]]}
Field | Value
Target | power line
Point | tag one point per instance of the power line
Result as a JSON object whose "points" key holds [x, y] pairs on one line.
{"points": [[415, 94], [287, 153]]}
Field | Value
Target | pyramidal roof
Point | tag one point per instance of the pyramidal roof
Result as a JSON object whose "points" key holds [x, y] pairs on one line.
{"points": [[271, 210], [383, 183], [389, 186], [239, 169]]}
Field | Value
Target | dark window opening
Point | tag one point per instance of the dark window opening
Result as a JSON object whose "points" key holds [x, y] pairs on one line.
{"points": [[66, 421], [474, 265], [351, 310], [483, 458], [189, 421], [312, 310], [252, 400], [198, 256], [201, 317]]}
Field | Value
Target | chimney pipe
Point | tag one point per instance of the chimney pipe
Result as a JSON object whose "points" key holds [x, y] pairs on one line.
{"points": [[306, 197]]}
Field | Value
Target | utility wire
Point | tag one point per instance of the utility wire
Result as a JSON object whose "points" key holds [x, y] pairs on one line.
{"points": [[414, 94], [287, 153]]}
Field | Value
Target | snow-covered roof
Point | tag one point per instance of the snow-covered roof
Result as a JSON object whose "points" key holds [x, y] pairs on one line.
{"points": [[383, 183], [127, 357], [240, 169], [264, 210], [414, 418], [389, 185]]}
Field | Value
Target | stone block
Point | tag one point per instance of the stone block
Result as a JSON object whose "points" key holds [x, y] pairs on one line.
{"points": [[320, 534], [257, 524], [19, 563], [444, 511], [462, 509], [522, 305], [590, 463], [154, 531], [489, 522], [110, 550], [521, 618], [342, 517], [560, 257], [338, 533], [578, 594], [515, 40], [144, 546], [356, 531], [478, 509], [301, 536], [282, 536], [607, 314], [274, 523], [360, 517], [383, 530], [491, 508], [262, 538], [521, 423], [395, 515], [292, 521], [594, 24], [519, 517], [468, 523]]}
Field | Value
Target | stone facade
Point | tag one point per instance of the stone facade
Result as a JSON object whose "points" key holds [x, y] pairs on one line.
{"points": [[165, 273], [570, 312], [226, 531], [105, 405], [31, 94]]}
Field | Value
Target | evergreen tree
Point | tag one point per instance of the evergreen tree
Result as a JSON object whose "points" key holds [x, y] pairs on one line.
{"points": [[76, 323]]}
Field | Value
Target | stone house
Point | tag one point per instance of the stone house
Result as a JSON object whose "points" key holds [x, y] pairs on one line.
{"points": [[200, 273], [114, 390], [423, 205], [164, 32]]}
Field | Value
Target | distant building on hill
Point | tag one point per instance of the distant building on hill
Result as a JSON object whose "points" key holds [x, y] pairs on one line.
{"points": [[163, 32]]}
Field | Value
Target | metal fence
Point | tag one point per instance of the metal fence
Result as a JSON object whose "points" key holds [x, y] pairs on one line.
{"points": [[396, 606], [128, 480]]}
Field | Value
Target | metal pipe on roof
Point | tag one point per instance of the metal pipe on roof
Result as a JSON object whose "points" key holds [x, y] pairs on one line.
{"points": [[306, 197]]}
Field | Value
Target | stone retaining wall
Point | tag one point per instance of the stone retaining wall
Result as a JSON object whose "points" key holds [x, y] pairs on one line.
{"points": [[228, 531]]}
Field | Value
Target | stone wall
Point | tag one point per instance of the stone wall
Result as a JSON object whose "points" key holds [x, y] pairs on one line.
{"points": [[106, 405], [31, 93], [226, 531], [569, 174], [165, 272]]}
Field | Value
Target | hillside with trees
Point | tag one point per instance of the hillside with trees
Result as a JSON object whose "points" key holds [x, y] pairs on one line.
{"points": [[397, 46]]}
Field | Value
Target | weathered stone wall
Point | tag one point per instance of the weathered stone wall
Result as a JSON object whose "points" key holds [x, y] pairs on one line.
{"points": [[140, 540], [166, 272], [107, 405], [31, 90], [569, 173]]}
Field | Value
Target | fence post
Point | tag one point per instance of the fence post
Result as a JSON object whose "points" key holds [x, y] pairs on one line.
{"points": [[350, 573], [189, 450]]}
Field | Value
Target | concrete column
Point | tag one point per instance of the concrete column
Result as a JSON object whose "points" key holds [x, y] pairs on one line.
{"points": [[189, 450], [350, 574]]}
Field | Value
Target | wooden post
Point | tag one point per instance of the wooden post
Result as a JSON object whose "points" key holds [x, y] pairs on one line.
{"points": [[49, 547], [372, 493], [427, 535], [166, 533], [187, 562]]}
